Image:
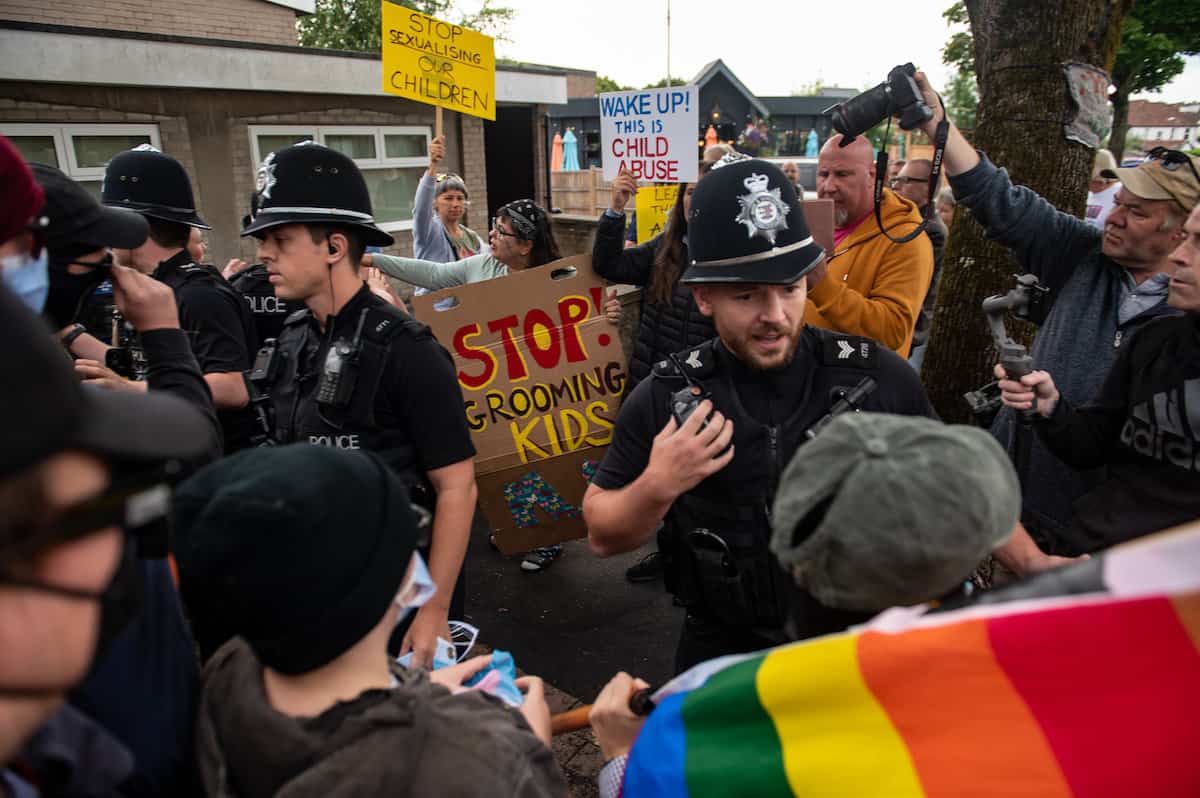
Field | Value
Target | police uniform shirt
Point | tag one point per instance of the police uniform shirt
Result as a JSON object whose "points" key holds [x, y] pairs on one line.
{"points": [[268, 310], [219, 329], [418, 400], [769, 397]]}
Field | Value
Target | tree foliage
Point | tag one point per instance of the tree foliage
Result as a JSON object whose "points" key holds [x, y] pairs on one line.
{"points": [[1154, 36], [811, 89], [962, 100], [356, 24], [959, 50], [605, 84], [962, 93]]}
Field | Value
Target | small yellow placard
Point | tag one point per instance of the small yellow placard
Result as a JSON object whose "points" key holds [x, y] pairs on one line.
{"points": [[653, 205], [438, 63]]}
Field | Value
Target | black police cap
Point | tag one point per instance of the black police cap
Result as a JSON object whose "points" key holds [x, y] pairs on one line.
{"points": [[746, 226], [153, 184], [307, 183]]}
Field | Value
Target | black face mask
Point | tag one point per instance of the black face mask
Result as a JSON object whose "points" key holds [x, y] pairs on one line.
{"points": [[68, 291], [120, 602]]}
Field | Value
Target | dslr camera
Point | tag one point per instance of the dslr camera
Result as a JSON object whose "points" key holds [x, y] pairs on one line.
{"points": [[898, 95]]}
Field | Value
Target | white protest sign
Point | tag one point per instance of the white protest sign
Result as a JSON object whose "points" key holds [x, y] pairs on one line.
{"points": [[652, 133]]}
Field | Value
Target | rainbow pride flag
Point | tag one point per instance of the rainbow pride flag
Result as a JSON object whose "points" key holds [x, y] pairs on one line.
{"points": [[1086, 696]]}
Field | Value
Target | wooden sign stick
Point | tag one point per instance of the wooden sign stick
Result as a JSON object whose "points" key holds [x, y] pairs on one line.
{"points": [[437, 121]]}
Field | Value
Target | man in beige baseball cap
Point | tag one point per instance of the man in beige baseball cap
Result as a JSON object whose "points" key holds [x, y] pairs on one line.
{"points": [[1166, 175]]}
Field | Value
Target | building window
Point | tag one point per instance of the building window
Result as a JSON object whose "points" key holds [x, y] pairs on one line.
{"points": [[80, 151], [392, 160]]}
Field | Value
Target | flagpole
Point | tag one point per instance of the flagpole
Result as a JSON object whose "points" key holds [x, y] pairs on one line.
{"points": [[668, 42]]}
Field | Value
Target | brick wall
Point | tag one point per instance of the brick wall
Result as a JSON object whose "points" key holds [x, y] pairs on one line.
{"points": [[233, 20], [581, 84], [172, 130], [474, 171]]}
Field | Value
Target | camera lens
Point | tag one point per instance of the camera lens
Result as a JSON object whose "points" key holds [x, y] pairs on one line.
{"points": [[859, 114]]}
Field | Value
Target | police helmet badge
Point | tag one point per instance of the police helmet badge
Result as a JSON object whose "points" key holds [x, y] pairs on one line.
{"points": [[265, 180], [763, 210]]}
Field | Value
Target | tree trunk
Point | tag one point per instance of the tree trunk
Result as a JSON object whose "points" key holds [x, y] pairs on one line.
{"points": [[1116, 141], [1019, 47]]}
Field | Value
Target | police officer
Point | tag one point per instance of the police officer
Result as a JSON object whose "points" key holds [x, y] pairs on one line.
{"points": [[268, 311], [350, 370], [215, 317], [702, 444], [254, 283]]}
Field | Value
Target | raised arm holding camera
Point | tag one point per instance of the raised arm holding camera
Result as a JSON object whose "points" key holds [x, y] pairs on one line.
{"points": [[1103, 285]]}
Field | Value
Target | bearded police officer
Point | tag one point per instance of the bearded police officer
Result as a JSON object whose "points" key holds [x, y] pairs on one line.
{"points": [[702, 444], [350, 370], [213, 315]]}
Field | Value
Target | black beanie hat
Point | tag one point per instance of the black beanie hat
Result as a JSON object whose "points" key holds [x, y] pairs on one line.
{"points": [[297, 549]]}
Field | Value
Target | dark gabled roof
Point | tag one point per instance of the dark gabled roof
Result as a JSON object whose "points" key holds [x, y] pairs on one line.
{"points": [[798, 106], [576, 107], [713, 68]]}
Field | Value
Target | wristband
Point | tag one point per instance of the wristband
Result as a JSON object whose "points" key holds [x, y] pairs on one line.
{"points": [[77, 330]]}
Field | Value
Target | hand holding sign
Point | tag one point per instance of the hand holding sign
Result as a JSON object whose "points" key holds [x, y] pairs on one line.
{"points": [[437, 151], [623, 188]]}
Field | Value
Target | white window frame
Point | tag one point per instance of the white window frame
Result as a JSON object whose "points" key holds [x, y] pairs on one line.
{"points": [[380, 161], [64, 149]]}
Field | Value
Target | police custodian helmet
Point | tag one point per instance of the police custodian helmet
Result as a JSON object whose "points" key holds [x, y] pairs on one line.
{"points": [[746, 226], [307, 183], [153, 184]]}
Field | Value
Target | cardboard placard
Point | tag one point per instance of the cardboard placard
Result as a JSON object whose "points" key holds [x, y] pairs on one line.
{"points": [[653, 204], [542, 373], [652, 133], [437, 62], [818, 215]]}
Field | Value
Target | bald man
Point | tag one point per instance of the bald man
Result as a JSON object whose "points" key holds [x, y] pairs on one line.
{"points": [[870, 286]]}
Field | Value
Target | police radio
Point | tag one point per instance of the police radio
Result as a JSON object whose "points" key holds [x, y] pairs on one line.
{"points": [[266, 363], [259, 380], [339, 373], [685, 401]]}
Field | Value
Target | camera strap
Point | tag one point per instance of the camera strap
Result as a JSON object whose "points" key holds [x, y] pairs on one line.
{"points": [[935, 175]]}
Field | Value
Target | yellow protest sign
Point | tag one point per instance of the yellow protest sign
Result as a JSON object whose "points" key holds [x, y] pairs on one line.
{"points": [[438, 63], [653, 205]]}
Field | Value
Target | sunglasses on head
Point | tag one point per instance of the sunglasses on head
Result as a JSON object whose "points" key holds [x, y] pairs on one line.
{"points": [[1172, 160], [444, 176]]}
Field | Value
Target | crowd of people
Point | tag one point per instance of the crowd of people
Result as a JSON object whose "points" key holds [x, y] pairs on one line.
{"points": [[233, 501]]}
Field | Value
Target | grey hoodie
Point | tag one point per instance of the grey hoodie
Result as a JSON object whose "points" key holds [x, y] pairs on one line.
{"points": [[413, 740], [1096, 305]]}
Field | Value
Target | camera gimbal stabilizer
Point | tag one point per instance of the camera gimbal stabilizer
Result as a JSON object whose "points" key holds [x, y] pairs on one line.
{"points": [[1026, 301]]}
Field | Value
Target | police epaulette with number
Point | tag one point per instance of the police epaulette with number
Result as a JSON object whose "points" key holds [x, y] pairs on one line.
{"points": [[852, 351], [384, 322], [699, 361]]}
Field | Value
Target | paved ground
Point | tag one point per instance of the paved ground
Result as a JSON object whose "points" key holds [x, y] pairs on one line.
{"points": [[575, 625]]}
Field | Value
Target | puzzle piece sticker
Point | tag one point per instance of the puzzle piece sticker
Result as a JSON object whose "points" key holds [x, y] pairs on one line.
{"points": [[532, 490]]}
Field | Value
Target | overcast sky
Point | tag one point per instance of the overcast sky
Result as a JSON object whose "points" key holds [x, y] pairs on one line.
{"points": [[774, 47]]}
